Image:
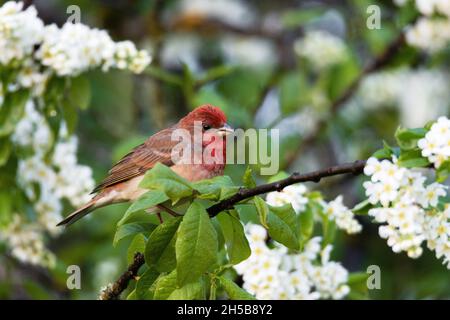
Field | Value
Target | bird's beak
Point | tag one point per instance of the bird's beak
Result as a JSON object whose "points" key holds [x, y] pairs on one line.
{"points": [[225, 130]]}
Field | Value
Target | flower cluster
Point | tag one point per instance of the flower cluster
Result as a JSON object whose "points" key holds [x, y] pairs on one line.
{"points": [[322, 49], [27, 243], [75, 48], [273, 273], [335, 210], [61, 177], [436, 144], [430, 33], [424, 91], [20, 31], [47, 168], [408, 208], [343, 216], [293, 194], [248, 51], [66, 51]]}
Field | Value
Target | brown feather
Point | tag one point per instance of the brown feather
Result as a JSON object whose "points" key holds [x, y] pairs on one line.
{"points": [[156, 149]]}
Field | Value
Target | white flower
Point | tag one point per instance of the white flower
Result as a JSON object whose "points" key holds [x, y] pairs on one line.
{"points": [[343, 216], [273, 273], [381, 192], [373, 168], [20, 31], [425, 91], [293, 194], [248, 51], [436, 144], [321, 48], [26, 243], [257, 233], [76, 48], [407, 221], [431, 195], [431, 34], [61, 177]]}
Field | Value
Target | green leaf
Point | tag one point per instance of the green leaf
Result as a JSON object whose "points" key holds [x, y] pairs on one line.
{"points": [[412, 159], [160, 248], [196, 245], [132, 295], [191, 291], [165, 288], [80, 92], [385, 153], [211, 189], [130, 229], [233, 291], [146, 201], [228, 191], [145, 282], [12, 110], [292, 92], [215, 73], [407, 138], [443, 171], [236, 243], [163, 75], [329, 230], [262, 209], [306, 221], [162, 178], [137, 245], [70, 115], [362, 208], [5, 150], [282, 222], [248, 180], [357, 281], [294, 18], [279, 176], [341, 76]]}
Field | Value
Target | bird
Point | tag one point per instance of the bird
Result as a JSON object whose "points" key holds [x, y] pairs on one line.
{"points": [[122, 182]]}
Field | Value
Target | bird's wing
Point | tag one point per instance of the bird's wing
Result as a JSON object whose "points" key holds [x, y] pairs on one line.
{"points": [[142, 158]]}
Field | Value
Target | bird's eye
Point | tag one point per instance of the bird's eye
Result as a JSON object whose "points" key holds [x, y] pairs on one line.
{"points": [[206, 126]]}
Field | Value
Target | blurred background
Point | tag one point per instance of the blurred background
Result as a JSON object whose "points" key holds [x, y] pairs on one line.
{"points": [[331, 81]]}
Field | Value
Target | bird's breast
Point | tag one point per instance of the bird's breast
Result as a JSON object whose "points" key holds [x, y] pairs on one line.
{"points": [[195, 172]]}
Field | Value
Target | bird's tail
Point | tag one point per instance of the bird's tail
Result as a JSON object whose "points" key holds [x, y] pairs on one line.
{"points": [[78, 214]]}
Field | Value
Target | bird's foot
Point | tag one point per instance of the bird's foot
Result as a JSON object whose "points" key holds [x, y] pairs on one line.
{"points": [[168, 210], [158, 214]]}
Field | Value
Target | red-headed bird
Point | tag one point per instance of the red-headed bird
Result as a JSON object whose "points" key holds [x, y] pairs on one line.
{"points": [[122, 182]]}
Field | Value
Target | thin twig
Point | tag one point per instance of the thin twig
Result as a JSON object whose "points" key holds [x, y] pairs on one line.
{"points": [[114, 290]]}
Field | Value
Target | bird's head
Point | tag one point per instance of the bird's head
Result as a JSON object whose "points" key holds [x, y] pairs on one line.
{"points": [[211, 119], [211, 122]]}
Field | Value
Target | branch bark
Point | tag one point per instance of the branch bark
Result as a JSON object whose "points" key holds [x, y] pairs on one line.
{"points": [[354, 168], [114, 290]]}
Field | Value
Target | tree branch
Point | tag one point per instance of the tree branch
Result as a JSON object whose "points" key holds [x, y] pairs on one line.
{"points": [[315, 176], [114, 290]]}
